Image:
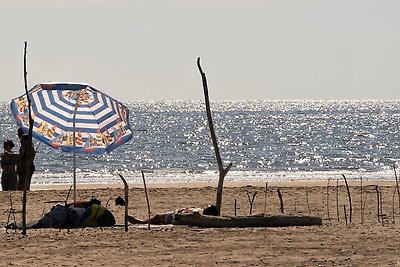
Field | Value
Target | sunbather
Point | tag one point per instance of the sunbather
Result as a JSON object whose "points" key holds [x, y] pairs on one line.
{"points": [[168, 217]]}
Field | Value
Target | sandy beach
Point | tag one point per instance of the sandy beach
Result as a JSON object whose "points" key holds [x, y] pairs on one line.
{"points": [[367, 243]]}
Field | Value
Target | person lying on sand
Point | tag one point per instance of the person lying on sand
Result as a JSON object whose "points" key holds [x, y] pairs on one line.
{"points": [[168, 217]]}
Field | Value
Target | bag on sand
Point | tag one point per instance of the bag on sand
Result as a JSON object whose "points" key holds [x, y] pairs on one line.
{"points": [[97, 216]]}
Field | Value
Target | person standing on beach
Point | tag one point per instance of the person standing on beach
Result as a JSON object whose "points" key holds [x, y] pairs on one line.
{"points": [[8, 164], [24, 160]]}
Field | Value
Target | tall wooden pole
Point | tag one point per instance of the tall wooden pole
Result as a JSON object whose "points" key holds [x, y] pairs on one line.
{"points": [[28, 152], [147, 199], [221, 170]]}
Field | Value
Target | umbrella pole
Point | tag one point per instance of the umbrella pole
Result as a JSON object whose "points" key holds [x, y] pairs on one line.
{"points": [[74, 147]]}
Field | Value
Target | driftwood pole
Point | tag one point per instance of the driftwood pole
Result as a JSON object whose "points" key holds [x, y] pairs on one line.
{"points": [[251, 200], [327, 200], [147, 199], [393, 209], [126, 189], [265, 198], [337, 200], [348, 194], [361, 200], [29, 156], [235, 208], [363, 208], [378, 204], [383, 215], [280, 200], [397, 185], [221, 170]]}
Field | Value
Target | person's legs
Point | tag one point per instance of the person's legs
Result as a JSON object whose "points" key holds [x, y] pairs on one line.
{"points": [[28, 182], [157, 219], [12, 182], [133, 220], [4, 184], [21, 181], [9, 181]]}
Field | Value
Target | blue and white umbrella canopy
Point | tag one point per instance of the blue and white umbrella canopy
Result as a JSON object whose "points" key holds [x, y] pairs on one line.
{"points": [[64, 110]]}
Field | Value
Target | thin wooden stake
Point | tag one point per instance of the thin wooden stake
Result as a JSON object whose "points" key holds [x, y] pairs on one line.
{"points": [[345, 213], [327, 200], [393, 209], [348, 194], [235, 206], [280, 200], [337, 200], [265, 198], [361, 199], [381, 207], [147, 199], [397, 185], [251, 200], [126, 189], [378, 204]]}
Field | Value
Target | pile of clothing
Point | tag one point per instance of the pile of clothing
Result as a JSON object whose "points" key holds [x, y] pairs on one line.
{"points": [[76, 215]]}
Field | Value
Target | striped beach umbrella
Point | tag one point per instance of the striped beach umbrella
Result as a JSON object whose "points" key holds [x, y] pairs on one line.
{"points": [[74, 117]]}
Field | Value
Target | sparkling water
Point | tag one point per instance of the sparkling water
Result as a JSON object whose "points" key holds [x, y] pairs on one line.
{"points": [[265, 140]]}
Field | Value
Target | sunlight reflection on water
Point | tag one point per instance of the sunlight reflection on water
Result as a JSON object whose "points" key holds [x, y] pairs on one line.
{"points": [[263, 139]]}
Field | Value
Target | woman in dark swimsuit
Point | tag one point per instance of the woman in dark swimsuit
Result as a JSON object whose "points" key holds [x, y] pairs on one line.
{"points": [[8, 164]]}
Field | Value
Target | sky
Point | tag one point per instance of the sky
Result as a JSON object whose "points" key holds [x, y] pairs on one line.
{"points": [[249, 49]]}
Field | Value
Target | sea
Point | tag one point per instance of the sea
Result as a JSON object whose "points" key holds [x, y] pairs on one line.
{"points": [[278, 140]]}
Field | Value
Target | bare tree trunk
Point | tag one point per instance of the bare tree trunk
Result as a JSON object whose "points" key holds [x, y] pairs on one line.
{"points": [[29, 156], [222, 171]]}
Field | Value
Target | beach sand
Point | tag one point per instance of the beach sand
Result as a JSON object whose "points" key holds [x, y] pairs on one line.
{"points": [[370, 243]]}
